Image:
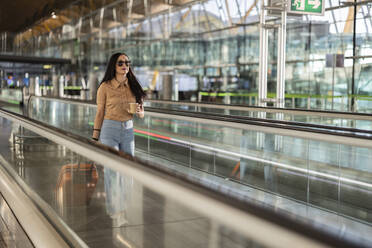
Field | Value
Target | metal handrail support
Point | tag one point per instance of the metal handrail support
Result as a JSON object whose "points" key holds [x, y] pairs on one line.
{"points": [[262, 81], [280, 80]]}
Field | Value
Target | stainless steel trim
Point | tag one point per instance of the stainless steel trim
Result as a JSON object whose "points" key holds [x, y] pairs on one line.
{"points": [[36, 226], [72, 237]]}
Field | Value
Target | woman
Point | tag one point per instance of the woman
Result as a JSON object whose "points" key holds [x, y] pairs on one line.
{"points": [[113, 125]]}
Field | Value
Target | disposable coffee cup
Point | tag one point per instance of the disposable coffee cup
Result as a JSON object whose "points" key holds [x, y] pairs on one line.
{"points": [[132, 107]]}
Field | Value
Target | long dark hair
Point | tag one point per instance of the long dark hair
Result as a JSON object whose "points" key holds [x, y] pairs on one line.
{"points": [[134, 84]]}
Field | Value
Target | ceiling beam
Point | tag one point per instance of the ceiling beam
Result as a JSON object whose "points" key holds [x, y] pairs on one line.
{"points": [[80, 9], [178, 25], [349, 24], [228, 12], [33, 60], [158, 7], [248, 11]]}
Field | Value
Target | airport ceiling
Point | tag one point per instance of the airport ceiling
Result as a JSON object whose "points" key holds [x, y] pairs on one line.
{"points": [[19, 15], [16, 15]]}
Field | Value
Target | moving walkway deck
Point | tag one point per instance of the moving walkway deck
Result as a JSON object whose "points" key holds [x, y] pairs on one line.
{"points": [[304, 177]]}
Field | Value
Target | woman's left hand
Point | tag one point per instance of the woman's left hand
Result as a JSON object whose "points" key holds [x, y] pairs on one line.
{"points": [[140, 111]]}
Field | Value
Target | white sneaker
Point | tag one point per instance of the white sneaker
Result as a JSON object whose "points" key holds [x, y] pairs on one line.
{"points": [[119, 220]]}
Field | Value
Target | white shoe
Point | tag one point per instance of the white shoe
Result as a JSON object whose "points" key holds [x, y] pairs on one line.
{"points": [[119, 220]]}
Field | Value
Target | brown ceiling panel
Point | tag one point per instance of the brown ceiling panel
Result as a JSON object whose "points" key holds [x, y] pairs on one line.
{"points": [[17, 15], [32, 17]]}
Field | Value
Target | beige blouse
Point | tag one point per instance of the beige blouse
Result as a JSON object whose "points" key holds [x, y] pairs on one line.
{"points": [[113, 100]]}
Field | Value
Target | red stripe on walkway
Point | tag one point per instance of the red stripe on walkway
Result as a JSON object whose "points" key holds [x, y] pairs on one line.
{"points": [[152, 134]]}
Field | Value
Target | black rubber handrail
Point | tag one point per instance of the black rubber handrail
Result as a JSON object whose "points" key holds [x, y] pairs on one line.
{"points": [[263, 108], [298, 126], [278, 217]]}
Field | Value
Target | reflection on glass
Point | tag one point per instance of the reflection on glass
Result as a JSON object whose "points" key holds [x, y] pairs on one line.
{"points": [[254, 172], [76, 184], [115, 197], [75, 189]]}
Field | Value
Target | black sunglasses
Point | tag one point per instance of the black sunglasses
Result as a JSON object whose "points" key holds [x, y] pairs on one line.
{"points": [[121, 63]]}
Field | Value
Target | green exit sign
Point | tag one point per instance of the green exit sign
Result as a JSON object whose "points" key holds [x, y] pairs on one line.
{"points": [[312, 7]]}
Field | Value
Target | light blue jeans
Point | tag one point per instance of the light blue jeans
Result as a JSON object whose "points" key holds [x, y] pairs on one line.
{"points": [[120, 136]]}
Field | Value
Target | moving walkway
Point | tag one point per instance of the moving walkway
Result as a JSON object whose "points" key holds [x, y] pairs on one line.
{"points": [[315, 167], [291, 170], [163, 209]]}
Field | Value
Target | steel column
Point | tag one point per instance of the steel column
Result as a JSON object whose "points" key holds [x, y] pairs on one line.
{"points": [[262, 78], [280, 87]]}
